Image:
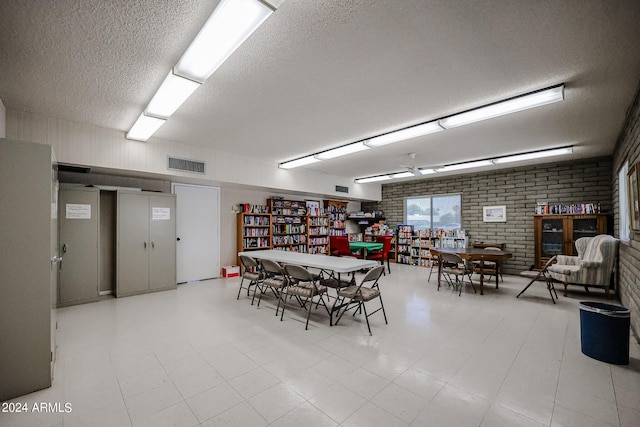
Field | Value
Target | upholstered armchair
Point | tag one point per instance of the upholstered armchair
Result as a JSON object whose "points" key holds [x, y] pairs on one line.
{"points": [[592, 266]]}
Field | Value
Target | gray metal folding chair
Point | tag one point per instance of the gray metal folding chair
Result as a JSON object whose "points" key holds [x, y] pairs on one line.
{"points": [[306, 287], [252, 272], [274, 279], [454, 265], [357, 296]]}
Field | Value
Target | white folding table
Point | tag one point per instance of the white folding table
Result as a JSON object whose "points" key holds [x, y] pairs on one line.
{"points": [[323, 262], [337, 265]]}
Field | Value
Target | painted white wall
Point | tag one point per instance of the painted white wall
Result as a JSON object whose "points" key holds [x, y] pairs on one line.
{"points": [[3, 120], [94, 146], [241, 179]]}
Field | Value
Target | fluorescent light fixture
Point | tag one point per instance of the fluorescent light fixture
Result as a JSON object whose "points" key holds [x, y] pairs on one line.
{"points": [[144, 127], [535, 99], [372, 179], [402, 175], [473, 164], [427, 171], [467, 165], [403, 134], [226, 29], [341, 151], [298, 162], [534, 155], [173, 91]]}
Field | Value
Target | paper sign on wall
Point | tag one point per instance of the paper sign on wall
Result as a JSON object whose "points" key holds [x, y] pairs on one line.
{"points": [[162, 214], [76, 211]]}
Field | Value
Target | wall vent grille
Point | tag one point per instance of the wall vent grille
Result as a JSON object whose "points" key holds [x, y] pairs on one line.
{"points": [[186, 165], [342, 189]]}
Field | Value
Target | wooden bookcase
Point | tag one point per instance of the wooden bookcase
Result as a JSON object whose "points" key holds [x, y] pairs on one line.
{"points": [[254, 231], [289, 225], [556, 234], [318, 234], [337, 211]]}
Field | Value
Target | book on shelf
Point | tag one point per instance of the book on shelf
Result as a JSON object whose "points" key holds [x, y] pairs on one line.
{"points": [[544, 208], [250, 208]]}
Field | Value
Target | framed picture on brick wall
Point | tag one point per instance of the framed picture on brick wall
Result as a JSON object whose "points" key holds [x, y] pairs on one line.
{"points": [[633, 187], [494, 214]]}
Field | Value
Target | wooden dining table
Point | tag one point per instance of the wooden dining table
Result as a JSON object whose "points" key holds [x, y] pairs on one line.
{"points": [[473, 254]]}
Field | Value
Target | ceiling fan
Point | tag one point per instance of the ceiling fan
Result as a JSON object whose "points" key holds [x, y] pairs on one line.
{"points": [[411, 167]]}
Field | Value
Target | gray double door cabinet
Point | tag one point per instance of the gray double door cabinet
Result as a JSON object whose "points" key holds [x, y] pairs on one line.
{"points": [[145, 244]]}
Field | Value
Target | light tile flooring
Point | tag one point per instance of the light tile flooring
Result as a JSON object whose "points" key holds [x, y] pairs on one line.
{"points": [[196, 356]]}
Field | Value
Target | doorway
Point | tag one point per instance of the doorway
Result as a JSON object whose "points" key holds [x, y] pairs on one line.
{"points": [[197, 231]]}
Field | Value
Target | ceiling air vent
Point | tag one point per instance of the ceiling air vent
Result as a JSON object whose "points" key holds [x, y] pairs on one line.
{"points": [[341, 189], [186, 165]]}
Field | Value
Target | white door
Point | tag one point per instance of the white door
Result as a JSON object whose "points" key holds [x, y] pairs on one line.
{"points": [[198, 232]]}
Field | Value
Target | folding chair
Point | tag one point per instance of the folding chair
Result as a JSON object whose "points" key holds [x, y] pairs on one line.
{"points": [[305, 286], [357, 296], [536, 275], [274, 279], [252, 272], [453, 264]]}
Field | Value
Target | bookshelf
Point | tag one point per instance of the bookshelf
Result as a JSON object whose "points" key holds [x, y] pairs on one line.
{"points": [[404, 243], [318, 234], [289, 225], [254, 231], [557, 234], [413, 247], [392, 251], [337, 211], [423, 241]]}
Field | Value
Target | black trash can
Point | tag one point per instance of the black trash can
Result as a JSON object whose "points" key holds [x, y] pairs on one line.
{"points": [[604, 332]]}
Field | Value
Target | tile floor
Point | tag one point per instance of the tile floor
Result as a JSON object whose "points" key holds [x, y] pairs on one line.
{"points": [[196, 356]]}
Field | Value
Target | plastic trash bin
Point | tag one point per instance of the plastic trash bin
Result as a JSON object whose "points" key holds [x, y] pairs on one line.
{"points": [[604, 332]]}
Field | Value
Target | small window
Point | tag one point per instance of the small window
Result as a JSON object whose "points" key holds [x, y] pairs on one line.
{"points": [[623, 203], [432, 212]]}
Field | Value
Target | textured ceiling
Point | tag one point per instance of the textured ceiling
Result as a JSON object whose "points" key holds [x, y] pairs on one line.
{"points": [[319, 74]]}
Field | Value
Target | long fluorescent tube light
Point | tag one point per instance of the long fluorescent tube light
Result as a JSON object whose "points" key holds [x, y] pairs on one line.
{"points": [[298, 162], [475, 163], [519, 103], [173, 91], [534, 155], [427, 171], [372, 179], [402, 175], [535, 99], [226, 29], [341, 151], [144, 127], [458, 166], [403, 134]]}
